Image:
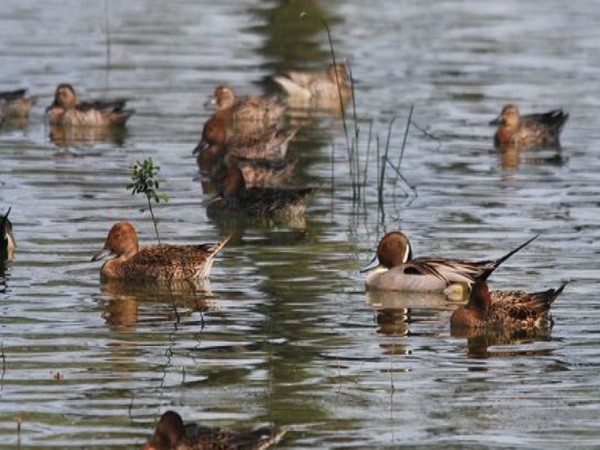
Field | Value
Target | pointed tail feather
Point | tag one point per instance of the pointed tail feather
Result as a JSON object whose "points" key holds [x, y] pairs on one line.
{"points": [[495, 264]]}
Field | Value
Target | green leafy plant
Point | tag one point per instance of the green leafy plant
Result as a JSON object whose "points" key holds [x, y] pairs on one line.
{"points": [[145, 181]]}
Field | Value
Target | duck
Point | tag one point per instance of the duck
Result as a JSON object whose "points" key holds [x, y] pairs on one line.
{"points": [[15, 105], [236, 198], [397, 270], [158, 262], [529, 131], [257, 173], [507, 310], [66, 110], [172, 434], [7, 241], [249, 114], [268, 143], [317, 85]]}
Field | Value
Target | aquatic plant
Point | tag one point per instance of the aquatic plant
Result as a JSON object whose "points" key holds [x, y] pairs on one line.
{"points": [[145, 182]]}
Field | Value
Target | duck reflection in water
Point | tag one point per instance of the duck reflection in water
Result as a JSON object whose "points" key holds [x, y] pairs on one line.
{"points": [[175, 299], [397, 311], [512, 157], [87, 136]]}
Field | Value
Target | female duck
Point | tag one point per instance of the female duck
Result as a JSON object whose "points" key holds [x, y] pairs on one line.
{"points": [[159, 262], [528, 131], [270, 143], [67, 111], [172, 434], [246, 115], [235, 198], [504, 309], [399, 271], [317, 85], [14, 105]]}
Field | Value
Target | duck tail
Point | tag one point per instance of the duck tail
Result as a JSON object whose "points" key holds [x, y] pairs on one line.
{"points": [[5, 219], [496, 263], [554, 293], [216, 248]]}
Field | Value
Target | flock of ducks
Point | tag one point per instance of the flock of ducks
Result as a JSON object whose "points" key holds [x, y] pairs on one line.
{"points": [[243, 154]]}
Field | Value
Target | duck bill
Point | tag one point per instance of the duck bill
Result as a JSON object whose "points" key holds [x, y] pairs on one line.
{"points": [[202, 145], [371, 265], [210, 102], [497, 121], [102, 254]]}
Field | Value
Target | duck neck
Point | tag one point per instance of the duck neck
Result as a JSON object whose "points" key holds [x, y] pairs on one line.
{"points": [[479, 299]]}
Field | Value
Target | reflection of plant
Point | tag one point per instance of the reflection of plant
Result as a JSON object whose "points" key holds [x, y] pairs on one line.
{"points": [[145, 182]]}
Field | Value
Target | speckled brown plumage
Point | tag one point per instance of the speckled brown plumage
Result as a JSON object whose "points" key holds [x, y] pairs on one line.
{"points": [[505, 309], [317, 84], [528, 131], [264, 143], [258, 173], [235, 198], [159, 262], [247, 115], [172, 434], [14, 105], [66, 110]]}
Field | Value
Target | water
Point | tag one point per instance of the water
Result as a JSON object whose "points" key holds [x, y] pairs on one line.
{"points": [[286, 333]]}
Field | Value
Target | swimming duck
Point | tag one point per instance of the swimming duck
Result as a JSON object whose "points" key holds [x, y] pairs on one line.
{"points": [[158, 262], [257, 173], [399, 271], [267, 143], [528, 131], [15, 105], [504, 309], [66, 110], [317, 85], [246, 115], [7, 241], [172, 434], [235, 198]]}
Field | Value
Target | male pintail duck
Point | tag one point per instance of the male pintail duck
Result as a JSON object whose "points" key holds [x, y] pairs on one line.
{"points": [[247, 115], [235, 198], [172, 434], [317, 85], [528, 131], [7, 241], [158, 262], [67, 111], [270, 143], [399, 271], [504, 309], [14, 105]]}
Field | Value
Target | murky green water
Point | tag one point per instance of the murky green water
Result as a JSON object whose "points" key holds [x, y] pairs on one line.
{"points": [[286, 333]]}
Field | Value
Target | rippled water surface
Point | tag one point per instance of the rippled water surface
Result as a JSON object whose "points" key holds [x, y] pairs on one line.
{"points": [[285, 333]]}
